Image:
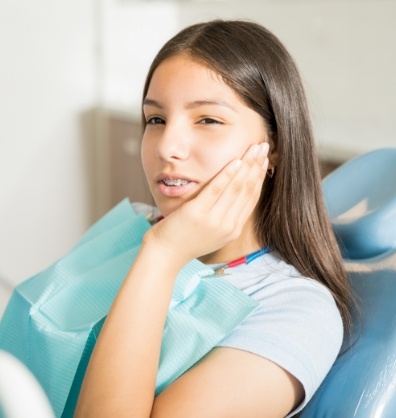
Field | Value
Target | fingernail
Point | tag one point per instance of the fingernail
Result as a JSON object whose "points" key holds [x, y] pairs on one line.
{"points": [[255, 150], [236, 165]]}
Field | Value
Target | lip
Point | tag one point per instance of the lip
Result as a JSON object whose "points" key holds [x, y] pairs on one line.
{"points": [[175, 191]]}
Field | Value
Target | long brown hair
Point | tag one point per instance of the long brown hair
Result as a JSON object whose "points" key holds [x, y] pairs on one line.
{"points": [[291, 213]]}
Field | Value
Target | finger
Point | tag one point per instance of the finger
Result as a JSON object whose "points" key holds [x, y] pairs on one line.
{"points": [[256, 176], [216, 187], [244, 186], [244, 190], [248, 209], [230, 185], [244, 204]]}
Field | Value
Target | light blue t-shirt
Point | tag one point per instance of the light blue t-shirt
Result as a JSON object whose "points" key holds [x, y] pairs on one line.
{"points": [[297, 324]]}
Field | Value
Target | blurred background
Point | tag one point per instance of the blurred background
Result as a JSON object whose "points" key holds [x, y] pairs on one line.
{"points": [[71, 76]]}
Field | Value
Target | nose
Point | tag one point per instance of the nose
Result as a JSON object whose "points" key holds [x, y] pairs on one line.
{"points": [[173, 144]]}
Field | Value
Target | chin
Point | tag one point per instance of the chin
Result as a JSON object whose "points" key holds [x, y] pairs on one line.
{"points": [[166, 208]]}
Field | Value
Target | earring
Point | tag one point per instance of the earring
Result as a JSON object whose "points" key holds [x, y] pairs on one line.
{"points": [[271, 172]]}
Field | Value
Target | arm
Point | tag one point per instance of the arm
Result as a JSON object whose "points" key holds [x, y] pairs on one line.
{"points": [[230, 383], [120, 378]]}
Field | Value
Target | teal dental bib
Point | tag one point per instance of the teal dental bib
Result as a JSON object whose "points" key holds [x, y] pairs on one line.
{"points": [[53, 319]]}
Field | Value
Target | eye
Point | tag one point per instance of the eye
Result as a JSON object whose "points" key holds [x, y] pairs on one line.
{"points": [[210, 121], [155, 120]]}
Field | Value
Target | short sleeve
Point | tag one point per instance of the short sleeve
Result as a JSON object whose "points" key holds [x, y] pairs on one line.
{"points": [[297, 325]]}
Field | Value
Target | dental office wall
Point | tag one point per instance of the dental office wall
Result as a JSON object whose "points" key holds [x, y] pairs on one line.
{"points": [[57, 61], [60, 59]]}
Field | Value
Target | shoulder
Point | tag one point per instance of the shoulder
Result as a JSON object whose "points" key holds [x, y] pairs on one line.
{"points": [[282, 292], [297, 324]]}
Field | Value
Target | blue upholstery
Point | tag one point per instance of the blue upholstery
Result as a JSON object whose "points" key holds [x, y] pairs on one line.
{"points": [[361, 384], [361, 200]]}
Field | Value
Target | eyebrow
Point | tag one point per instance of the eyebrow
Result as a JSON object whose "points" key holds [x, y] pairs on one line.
{"points": [[191, 105]]}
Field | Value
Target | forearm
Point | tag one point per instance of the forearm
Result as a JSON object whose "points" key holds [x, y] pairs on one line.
{"points": [[120, 380]]}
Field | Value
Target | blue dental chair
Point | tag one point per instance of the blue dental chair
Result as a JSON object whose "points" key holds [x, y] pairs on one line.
{"points": [[361, 201]]}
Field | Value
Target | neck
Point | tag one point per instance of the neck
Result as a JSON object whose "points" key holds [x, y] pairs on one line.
{"points": [[245, 244]]}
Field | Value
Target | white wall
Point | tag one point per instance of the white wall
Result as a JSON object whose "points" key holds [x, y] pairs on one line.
{"points": [[46, 80], [133, 31], [59, 59]]}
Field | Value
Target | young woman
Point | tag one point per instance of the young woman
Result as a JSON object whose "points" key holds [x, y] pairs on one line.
{"points": [[229, 157]]}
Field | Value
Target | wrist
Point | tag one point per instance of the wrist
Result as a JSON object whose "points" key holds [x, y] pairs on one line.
{"points": [[162, 254]]}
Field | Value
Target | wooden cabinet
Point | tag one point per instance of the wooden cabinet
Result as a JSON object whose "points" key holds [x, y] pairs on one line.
{"points": [[113, 158]]}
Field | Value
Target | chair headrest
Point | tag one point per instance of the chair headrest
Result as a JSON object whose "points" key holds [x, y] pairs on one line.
{"points": [[360, 197]]}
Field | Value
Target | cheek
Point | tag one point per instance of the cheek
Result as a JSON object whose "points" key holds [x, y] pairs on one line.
{"points": [[213, 159], [234, 147], [146, 155]]}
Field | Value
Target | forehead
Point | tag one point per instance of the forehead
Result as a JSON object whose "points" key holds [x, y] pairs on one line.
{"points": [[185, 76]]}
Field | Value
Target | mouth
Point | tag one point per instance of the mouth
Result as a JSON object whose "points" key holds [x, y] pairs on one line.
{"points": [[175, 186], [175, 182]]}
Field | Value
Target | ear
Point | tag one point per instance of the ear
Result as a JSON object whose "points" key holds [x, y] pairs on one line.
{"points": [[273, 155]]}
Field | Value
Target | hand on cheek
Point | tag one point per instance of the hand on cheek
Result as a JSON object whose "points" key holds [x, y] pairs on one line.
{"points": [[218, 214]]}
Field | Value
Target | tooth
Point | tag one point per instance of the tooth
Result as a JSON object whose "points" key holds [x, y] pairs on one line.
{"points": [[175, 182]]}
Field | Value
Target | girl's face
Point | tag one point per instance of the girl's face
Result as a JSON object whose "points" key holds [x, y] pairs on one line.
{"points": [[196, 125]]}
